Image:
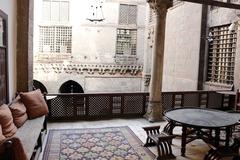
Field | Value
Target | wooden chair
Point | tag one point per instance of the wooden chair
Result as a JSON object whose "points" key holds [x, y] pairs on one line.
{"points": [[236, 128], [162, 140], [224, 152], [237, 101]]}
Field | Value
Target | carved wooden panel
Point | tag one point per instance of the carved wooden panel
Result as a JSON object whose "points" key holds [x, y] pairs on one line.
{"points": [[3, 78], [3, 59], [75, 106]]}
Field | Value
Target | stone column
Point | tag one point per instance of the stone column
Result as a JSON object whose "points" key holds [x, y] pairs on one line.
{"points": [[154, 111]]}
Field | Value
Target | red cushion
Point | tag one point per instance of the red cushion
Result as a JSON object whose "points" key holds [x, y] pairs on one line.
{"points": [[35, 103], [19, 113], [6, 121]]}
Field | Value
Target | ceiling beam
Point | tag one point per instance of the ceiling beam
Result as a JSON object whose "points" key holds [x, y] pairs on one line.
{"points": [[216, 3]]}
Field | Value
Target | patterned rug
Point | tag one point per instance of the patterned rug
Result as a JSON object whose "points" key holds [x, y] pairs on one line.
{"points": [[115, 143]]}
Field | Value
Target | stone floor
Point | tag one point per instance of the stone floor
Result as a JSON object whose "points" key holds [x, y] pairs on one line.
{"points": [[195, 150]]}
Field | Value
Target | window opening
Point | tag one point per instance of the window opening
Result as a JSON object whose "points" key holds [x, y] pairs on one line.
{"points": [[221, 55]]}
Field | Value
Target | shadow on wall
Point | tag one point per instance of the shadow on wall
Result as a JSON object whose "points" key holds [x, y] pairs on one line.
{"points": [[39, 85], [71, 87]]}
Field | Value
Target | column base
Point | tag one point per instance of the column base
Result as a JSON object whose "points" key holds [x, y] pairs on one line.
{"points": [[154, 112]]}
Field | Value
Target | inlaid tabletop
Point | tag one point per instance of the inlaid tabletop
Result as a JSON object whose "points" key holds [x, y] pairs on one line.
{"points": [[200, 117]]}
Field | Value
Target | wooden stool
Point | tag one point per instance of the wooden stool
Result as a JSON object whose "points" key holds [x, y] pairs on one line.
{"points": [[223, 152], [161, 140]]}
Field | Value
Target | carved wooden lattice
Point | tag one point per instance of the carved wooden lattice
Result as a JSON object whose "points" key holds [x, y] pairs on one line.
{"points": [[55, 39], [61, 106], [167, 101], [191, 99], [221, 56], [99, 106], [116, 105], [109, 105], [79, 105], [127, 14], [133, 104], [214, 100]]}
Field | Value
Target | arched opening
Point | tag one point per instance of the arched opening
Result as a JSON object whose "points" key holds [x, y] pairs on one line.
{"points": [[71, 87], [38, 85]]}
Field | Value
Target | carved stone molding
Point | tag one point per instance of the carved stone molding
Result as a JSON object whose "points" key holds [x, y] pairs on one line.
{"points": [[89, 69], [147, 78], [160, 6], [151, 36]]}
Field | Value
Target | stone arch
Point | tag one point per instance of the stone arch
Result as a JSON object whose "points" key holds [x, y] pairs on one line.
{"points": [[71, 87], [39, 85]]}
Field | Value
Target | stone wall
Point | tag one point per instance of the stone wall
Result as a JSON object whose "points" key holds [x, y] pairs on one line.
{"points": [[93, 62], [92, 77], [182, 44]]}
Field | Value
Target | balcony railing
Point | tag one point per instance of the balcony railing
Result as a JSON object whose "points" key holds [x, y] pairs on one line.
{"points": [[76, 106]]}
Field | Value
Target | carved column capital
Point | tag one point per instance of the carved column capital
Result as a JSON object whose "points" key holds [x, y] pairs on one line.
{"points": [[159, 6]]}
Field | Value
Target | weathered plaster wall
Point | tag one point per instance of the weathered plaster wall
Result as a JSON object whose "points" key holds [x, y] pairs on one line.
{"points": [[95, 43], [182, 44], [53, 81]]}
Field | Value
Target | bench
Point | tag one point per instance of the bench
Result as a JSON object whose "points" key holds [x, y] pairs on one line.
{"points": [[31, 135]]}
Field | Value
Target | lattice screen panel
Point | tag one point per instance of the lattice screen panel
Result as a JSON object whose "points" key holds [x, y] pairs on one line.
{"points": [[133, 104], [178, 100], [127, 14], [99, 105], [203, 100], [214, 100], [191, 99], [126, 42], [146, 103], [55, 39], [116, 105], [79, 104], [221, 55], [61, 106], [167, 101]]}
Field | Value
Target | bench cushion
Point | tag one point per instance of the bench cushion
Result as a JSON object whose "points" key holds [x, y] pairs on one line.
{"points": [[29, 133], [35, 103], [2, 137], [18, 112], [6, 121]]}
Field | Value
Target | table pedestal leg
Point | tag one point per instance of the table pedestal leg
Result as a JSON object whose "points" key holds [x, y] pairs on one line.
{"points": [[217, 137], [184, 139], [228, 132]]}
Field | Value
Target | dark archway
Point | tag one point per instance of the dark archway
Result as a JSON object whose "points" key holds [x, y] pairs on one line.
{"points": [[71, 87], [38, 85]]}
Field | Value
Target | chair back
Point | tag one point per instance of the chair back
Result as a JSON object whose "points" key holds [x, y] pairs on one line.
{"points": [[237, 101]]}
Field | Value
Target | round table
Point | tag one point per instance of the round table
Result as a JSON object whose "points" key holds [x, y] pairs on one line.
{"points": [[202, 118]]}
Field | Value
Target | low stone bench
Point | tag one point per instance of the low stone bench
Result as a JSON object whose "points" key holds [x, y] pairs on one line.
{"points": [[162, 140]]}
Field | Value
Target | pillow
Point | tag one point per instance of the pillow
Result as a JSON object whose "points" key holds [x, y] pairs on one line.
{"points": [[6, 121], [2, 137], [18, 112], [35, 103]]}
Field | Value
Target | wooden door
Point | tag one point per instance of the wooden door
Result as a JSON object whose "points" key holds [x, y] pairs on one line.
{"points": [[3, 74], [3, 59]]}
